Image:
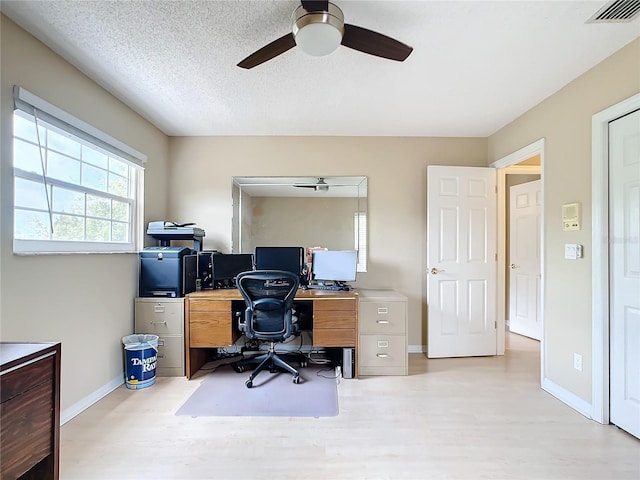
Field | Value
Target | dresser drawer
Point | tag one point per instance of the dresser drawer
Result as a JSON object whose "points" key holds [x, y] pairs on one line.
{"points": [[26, 430], [383, 350], [16, 382], [383, 317], [159, 317]]}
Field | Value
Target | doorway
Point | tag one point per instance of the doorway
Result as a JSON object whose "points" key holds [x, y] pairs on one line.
{"points": [[528, 160]]}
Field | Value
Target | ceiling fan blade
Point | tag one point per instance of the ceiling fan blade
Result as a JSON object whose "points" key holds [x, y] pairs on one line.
{"points": [[315, 5], [269, 51], [374, 43]]}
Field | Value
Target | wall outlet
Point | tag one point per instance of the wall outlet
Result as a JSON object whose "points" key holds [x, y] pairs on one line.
{"points": [[577, 361]]}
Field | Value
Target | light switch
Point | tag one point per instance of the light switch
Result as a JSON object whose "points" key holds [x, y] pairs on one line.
{"points": [[572, 251]]}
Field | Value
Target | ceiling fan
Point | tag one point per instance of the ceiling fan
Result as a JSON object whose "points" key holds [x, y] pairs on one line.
{"points": [[318, 28], [320, 186]]}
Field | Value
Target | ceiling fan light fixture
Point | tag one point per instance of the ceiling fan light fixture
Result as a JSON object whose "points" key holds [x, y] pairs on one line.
{"points": [[318, 33]]}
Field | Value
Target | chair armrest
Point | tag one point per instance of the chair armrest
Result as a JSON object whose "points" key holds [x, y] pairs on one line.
{"points": [[242, 321]]}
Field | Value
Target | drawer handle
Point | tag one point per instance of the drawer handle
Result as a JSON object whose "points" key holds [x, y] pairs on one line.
{"points": [[161, 342], [164, 322], [158, 308], [382, 321], [383, 310], [381, 355]]}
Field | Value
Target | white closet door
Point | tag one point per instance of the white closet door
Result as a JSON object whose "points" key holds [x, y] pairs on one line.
{"points": [[624, 275]]}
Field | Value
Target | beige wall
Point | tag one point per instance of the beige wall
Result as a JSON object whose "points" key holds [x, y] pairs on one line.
{"points": [[84, 301], [200, 191], [303, 222], [564, 121]]}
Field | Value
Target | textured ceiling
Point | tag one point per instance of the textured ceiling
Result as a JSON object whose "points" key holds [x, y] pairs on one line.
{"points": [[475, 67]]}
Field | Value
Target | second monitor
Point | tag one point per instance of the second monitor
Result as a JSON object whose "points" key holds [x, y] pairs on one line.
{"points": [[290, 259], [334, 267], [226, 267]]}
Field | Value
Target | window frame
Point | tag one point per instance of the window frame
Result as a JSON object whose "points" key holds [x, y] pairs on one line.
{"points": [[52, 118], [360, 240]]}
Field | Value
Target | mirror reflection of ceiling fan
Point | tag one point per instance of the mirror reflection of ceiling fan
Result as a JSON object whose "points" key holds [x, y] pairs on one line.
{"points": [[318, 28], [319, 186]]}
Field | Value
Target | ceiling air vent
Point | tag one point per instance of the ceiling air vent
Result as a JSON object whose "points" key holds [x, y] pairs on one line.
{"points": [[617, 11]]}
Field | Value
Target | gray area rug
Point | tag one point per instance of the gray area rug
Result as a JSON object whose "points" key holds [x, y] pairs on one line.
{"points": [[223, 393]]}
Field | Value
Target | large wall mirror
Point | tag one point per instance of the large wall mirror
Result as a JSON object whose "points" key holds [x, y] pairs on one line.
{"points": [[328, 212]]}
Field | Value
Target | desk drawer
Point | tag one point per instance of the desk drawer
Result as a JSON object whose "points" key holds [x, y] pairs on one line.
{"points": [[383, 317], [334, 337], [203, 305], [159, 317], [334, 319], [344, 305], [171, 352], [383, 351], [211, 329]]}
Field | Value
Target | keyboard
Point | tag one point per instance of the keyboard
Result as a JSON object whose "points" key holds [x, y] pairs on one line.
{"points": [[328, 287]]}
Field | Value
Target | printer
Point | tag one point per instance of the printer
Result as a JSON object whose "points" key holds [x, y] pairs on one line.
{"points": [[167, 272], [165, 232]]}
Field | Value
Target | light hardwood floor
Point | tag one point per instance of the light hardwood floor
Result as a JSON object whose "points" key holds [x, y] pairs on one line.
{"points": [[467, 418]]}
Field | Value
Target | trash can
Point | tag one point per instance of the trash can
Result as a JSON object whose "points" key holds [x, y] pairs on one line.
{"points": [[141, 356]]}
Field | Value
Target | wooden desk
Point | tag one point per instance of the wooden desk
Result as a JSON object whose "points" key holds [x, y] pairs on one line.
{"points": [[210, 321], [30, 410]]}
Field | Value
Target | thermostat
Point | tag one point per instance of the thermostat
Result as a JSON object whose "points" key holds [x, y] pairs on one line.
{"points": [[571, 216]]}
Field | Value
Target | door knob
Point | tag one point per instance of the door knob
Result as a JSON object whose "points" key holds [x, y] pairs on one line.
{"points": [[513, 266], [435, 271]]}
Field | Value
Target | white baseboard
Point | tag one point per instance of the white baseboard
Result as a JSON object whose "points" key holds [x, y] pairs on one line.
{"points": [[417, 349], [81, 405], [572, 400]]}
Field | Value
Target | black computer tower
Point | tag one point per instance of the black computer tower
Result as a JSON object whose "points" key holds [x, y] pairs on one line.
{"points": [[162, 271], [204, 268]]}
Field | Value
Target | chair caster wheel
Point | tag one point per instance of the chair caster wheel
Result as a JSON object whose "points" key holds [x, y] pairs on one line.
{"points": [[296, 379], [249, 383], [239, 368]]}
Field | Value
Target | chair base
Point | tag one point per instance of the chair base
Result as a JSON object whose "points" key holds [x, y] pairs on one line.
{"points": [[272, 361]]}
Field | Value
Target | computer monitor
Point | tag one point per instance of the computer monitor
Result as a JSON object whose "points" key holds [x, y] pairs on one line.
{"points": [[290, 259], [334, 265], [226, 266]]}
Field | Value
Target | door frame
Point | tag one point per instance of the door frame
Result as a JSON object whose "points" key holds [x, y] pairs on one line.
{"points": [[600, 245], [507, 165]]}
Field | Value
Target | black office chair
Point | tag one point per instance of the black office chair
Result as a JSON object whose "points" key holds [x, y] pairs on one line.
{"points": [[268, 296]]}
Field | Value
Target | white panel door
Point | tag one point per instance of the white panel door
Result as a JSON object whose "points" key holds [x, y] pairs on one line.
{"points": [[524, 259], [461, 261], [624, 275]]}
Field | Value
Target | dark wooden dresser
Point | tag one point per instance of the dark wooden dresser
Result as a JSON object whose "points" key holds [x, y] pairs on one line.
{"points": [[29, 410]]}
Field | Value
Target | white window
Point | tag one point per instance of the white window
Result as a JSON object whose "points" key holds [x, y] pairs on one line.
{"points": [[360, 227], [75, 188]]}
